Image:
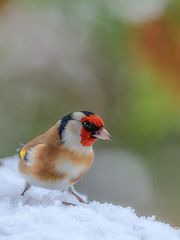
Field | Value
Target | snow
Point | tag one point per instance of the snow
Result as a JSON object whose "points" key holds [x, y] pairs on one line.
{"points": [[40, 215]]}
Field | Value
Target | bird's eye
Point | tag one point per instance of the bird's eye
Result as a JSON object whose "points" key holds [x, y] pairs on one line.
{"points": [[87, 125], [90, 126]]}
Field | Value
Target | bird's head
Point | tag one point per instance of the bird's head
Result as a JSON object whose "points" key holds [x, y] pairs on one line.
{"points": [[82, 129]]}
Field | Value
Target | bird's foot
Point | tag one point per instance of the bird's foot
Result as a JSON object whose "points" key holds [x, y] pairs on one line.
{"points": [[77, 196], [68, 203]]}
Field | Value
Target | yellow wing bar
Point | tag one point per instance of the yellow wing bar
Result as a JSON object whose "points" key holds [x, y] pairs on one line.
{"points": [[22, 154]]}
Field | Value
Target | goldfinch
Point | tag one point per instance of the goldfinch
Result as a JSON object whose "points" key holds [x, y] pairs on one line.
{"points": [[61, 156]]}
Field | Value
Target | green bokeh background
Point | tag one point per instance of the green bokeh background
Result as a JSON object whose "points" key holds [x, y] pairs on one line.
{"points": [[62, 56]]}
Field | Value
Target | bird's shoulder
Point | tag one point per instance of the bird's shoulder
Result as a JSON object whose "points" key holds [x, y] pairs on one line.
{"points": [[47, 141]]}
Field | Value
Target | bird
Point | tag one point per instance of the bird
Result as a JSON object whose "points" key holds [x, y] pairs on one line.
{"points": [[62, 155]]}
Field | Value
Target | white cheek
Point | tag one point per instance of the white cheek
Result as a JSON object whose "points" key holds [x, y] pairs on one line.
{"points": [[72, 138], [72, 132]]}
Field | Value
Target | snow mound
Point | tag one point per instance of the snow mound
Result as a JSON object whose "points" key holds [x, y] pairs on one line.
{"points": [[40, 215]]}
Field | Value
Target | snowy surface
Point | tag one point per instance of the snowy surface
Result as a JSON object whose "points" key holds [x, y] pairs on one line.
{"points": [[41, 216]]}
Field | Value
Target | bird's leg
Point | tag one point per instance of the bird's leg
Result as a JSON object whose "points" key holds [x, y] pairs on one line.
{"points": [[72, 191], [26, 188]]}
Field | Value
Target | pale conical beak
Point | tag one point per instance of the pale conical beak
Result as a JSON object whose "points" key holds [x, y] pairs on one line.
{"points": [[102, 134]]}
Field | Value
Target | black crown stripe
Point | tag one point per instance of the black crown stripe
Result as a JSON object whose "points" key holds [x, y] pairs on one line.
{"points": [[63, 124], [87, 113]]}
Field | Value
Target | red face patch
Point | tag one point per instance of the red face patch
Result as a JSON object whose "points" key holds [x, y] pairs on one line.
{"points": [[86, 136]]}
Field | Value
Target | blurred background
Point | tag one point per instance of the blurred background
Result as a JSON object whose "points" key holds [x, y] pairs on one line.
{"points": [[119, 58]]}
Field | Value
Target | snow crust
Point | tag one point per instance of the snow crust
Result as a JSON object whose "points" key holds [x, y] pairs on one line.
{"points": [[40, 215]]}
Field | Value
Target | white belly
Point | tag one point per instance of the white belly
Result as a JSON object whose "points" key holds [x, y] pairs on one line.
{"points": [[66, 168], [49, 184], [72, 171]]}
